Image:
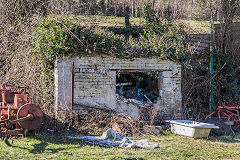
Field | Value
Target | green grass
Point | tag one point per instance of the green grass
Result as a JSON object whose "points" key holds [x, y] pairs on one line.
{"points": [[171, 147], [196, 27], [100, 20], [192, 26]]}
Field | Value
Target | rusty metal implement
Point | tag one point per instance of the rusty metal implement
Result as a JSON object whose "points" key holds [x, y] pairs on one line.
{"points": [[17, 116]]}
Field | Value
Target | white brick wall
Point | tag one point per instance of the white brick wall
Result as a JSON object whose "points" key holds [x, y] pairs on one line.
{"points": [[95, 79]]}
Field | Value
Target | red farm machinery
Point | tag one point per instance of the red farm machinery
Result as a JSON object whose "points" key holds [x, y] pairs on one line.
{"points": [[17, 115], [227, 117]]}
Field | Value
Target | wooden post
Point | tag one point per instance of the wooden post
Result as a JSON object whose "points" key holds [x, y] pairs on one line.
{"points": [[153, 4], [127, 22], [175, 9], [116, 9], [124, 7], [163, 9], [132, 8]]}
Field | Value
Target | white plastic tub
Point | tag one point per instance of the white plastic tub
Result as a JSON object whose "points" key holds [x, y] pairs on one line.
{"points": [[191, 128]]}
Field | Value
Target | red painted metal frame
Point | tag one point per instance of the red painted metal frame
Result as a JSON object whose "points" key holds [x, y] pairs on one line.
{"points": [[16, 114], [228, 114]]}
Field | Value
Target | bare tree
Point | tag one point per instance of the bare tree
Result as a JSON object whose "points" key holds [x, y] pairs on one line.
{"points": [[229, 8]]}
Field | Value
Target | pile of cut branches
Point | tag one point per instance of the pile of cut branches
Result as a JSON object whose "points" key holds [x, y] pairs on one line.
{"points": [[95, 121]]}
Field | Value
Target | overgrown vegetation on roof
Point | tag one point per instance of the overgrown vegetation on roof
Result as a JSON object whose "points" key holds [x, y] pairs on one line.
{"points": [[163, 39], [63, 37]]}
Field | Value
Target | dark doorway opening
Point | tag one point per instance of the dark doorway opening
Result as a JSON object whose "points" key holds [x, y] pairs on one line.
{"points": [[141, 87]]}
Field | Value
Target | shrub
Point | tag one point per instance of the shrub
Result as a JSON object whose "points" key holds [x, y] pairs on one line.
{"points": [[57, 38]]}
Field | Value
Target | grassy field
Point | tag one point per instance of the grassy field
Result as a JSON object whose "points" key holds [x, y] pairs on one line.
{"points": [[171, 147], [100, 20], [191, 26]]}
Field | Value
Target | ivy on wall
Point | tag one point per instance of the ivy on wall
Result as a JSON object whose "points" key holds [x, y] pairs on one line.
{"points": [[57, 38], [54, 38]]}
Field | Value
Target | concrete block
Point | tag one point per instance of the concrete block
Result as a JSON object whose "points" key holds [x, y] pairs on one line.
{"points": [[167, 74], [128, 109], [150, 129], [167, 80]]}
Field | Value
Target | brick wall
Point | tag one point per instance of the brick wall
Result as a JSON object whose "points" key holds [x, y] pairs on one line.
{"points": [[95, 80]]}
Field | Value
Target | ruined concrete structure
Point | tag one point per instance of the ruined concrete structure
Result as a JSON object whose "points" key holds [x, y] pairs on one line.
{"points": [[91, 82]]}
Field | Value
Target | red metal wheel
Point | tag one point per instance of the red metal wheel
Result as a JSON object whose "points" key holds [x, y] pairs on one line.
{"points": [[37, 116]]}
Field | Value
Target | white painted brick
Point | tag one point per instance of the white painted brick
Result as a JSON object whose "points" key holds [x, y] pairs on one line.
{"points": [[167, 74], [95, 84]]}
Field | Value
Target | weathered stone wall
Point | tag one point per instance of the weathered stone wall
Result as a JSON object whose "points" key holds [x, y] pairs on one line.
{"points": [[95, 80]]}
